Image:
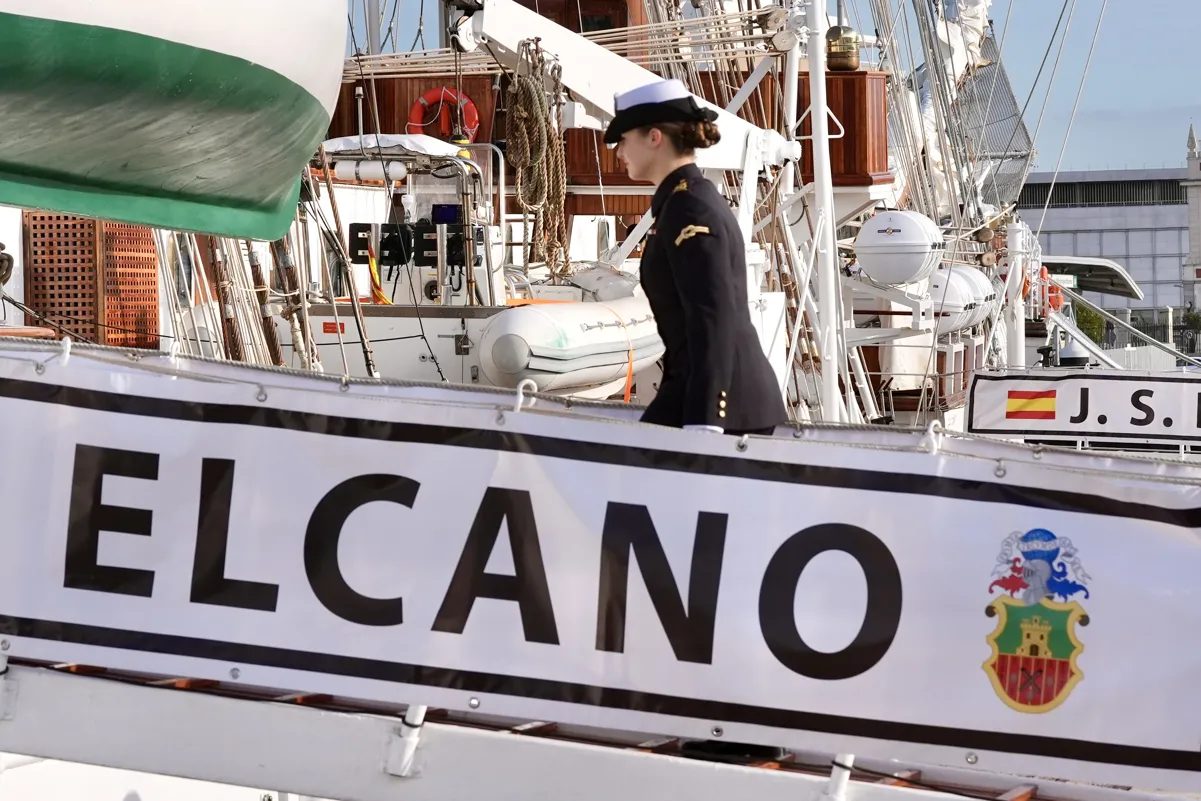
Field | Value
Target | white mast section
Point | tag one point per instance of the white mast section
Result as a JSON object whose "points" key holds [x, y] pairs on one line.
{"points": [[595, 74], [373, 28], [828, 295]]}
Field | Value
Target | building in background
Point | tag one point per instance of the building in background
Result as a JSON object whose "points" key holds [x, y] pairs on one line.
{"points": [[1192, 186], [1136, 218]]}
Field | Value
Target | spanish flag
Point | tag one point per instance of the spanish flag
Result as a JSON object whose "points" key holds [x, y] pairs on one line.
{"points": [[1025, 405]]}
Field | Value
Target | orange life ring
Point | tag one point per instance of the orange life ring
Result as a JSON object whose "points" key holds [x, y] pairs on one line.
{"points": [[438, 97], [1052, 294], [1025, 284]]}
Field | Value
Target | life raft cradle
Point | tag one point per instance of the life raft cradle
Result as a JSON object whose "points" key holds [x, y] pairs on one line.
{"points": [[328, 747]]}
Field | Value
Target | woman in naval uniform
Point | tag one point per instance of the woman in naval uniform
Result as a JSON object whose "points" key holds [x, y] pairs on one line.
{"points": [[716, 376]]}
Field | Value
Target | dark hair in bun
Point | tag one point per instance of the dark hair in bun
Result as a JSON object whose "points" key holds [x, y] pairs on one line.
{"points": [[686, 137]]}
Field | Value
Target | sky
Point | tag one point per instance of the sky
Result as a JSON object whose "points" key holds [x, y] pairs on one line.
{"points": [[1137, 101], [1133, 112]]}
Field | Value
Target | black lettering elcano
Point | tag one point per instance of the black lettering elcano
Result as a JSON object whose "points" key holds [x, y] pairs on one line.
{"points": [[321, 547], [629, 529], [88, 516], [209, 582], [777, 596], [527, 587]]}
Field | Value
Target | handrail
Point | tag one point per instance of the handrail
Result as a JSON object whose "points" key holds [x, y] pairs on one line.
{"points": [[1118, 321]]}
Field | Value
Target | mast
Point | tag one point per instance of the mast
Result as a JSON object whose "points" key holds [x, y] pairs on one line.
{"points": [[823, 200], [373, 27]]}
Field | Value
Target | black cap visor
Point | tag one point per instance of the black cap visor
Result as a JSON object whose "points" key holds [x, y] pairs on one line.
{"points": [[684, 109]]}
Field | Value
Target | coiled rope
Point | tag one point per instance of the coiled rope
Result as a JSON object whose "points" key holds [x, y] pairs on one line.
{"points": [[536, 152]]}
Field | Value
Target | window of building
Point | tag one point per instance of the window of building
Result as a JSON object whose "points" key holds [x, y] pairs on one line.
{"points": [[1088, 243], [1141, 243], [1062, 244], [1141, 268], [1104, 193], [1113, 244], [1167, 241], [1167, 294], [1167, 268]]}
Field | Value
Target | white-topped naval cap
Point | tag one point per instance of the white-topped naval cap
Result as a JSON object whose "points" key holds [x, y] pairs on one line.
{"points": [[657, 92]]}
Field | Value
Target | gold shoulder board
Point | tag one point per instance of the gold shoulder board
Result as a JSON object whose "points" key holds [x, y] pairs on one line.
{"points": [[690, 231]]}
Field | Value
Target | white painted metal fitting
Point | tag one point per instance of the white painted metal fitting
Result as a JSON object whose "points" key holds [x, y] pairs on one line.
{"points": [[521, 390]]}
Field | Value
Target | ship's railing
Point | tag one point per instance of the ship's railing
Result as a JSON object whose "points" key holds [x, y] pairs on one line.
{"points": [[644, 45]]}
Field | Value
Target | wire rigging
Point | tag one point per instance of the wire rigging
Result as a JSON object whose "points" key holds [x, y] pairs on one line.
{"points": [[1072, 119]]}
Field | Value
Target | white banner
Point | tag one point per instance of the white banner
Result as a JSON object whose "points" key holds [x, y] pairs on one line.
{"points": [[1001, 615], [1094, 405]]}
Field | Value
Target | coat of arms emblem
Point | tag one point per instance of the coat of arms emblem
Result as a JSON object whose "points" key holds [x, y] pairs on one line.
{"points": [[1034, 646]]}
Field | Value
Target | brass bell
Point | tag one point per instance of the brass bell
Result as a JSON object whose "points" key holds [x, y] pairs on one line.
{"points": [[842, 44]]}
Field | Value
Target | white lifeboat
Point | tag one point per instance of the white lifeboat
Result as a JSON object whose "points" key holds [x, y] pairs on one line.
{"points": [[984, 294], [899, 247], [568, 347], [954, 298]]}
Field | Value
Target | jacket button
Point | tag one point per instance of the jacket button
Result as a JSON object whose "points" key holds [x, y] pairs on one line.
{"points": [[721, 414]]}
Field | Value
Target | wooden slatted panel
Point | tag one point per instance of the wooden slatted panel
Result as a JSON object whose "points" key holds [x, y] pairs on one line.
{"points": [[60, 273], [589, 162], [93, 278], [583, 149], [857, 100], [586, 156], [621, 205], [130, 286], [395, 96]]}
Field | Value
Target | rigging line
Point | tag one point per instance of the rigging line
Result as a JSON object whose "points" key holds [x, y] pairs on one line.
{"points": [[1054, 72], [927, 172], [420, 28], [997, 68], [323, 233], [393, 29], [926, 149], [388, 181], [1033, 86], [927, 28], [21, 307], [1075, 107], [890, 54], [996, 77], [951, 121]]}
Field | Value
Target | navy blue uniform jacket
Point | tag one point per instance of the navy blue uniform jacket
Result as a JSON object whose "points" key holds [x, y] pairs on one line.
{"points": [[694, 275]]}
